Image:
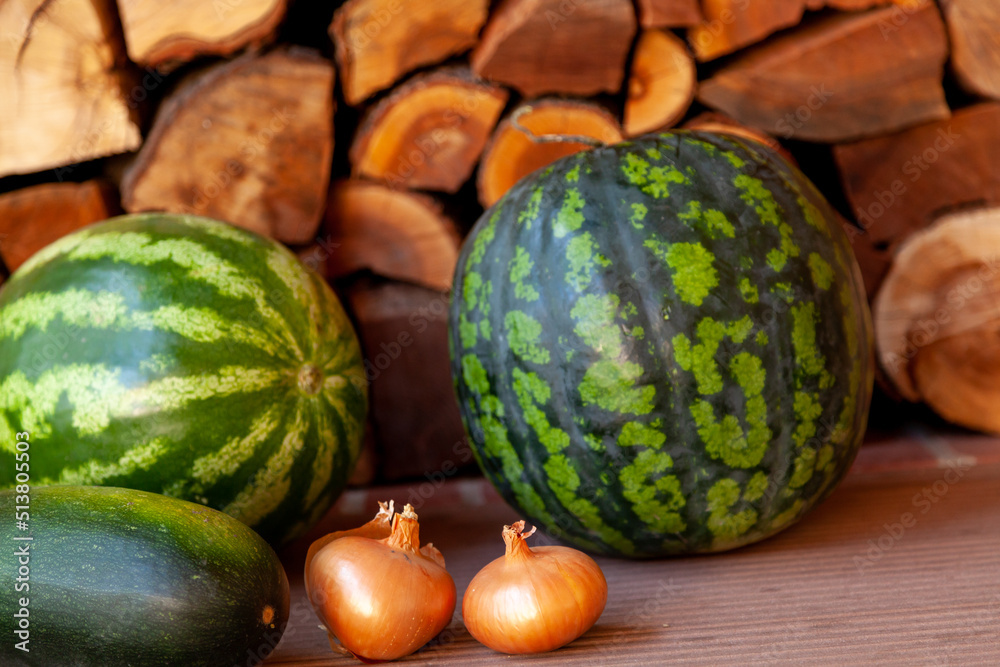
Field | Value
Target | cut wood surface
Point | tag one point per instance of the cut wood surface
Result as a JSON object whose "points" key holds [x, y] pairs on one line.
{"points": [[378, 41], [902, 182], [414, 417], [429, 132], [730, 25], [937, 318], [668, 13], [841, 78], [661, 83], [974, 29], [712, 121], [393, 233], [169, 33], [556, 46], [31, 218], [248, 141], [66, 96], [537, 134]]}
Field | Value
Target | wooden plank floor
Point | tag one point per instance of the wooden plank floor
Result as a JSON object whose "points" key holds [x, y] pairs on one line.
{"points": [[901, 565]]}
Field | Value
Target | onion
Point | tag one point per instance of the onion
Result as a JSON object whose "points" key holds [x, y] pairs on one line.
{"points": [[378, 528], [380, 599], [534, 600]]}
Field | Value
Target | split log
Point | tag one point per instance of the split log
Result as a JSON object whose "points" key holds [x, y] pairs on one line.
{"points": [[661, 83], [378, 41], [393, 233], [536, 135], [668, 13], [730, 25], [429, 132], [554, 46], [414, 416], [841, 78], [32, 218], [901, 183], [247, 141], [711, 121], [167, 34], [66, 91], [937, 318], [974, 29]]}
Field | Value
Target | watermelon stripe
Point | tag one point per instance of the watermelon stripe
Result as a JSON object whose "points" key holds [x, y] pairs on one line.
{"points": [[272, 483], [93, 390], [202, 265], [287, 269], [323, 470], [172, 393], [95, 472], [108, 311], [338, 404], [224, 232], [75, 307], [227, 460]]}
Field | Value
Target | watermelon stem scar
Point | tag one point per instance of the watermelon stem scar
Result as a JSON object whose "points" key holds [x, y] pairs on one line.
{"points": [[310, 379]]}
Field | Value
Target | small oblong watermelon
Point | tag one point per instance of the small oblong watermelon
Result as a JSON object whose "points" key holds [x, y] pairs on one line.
{"points": [[662, 347], [187, 357]]}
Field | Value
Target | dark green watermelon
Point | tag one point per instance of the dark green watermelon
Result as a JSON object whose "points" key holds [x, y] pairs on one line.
{"points": [[662, 347]]}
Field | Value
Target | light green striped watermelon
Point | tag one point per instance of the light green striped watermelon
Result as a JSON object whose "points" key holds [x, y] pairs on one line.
{"points": [[182, 356], [663, 346]]}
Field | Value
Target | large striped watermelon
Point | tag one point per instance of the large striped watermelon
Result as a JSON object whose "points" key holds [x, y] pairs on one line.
{"points": [[663, 346], [182, 356]]}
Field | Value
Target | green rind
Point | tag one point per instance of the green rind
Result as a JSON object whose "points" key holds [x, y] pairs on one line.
{"points": [[136, 350], [708, 377], [125, 577]]}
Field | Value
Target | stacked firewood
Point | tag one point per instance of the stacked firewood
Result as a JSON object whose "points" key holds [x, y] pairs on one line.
{"points": [[369, 135]]}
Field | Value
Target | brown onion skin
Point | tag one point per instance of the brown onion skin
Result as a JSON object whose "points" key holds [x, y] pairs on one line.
{"points": [[534, 600], [381, 599]]}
